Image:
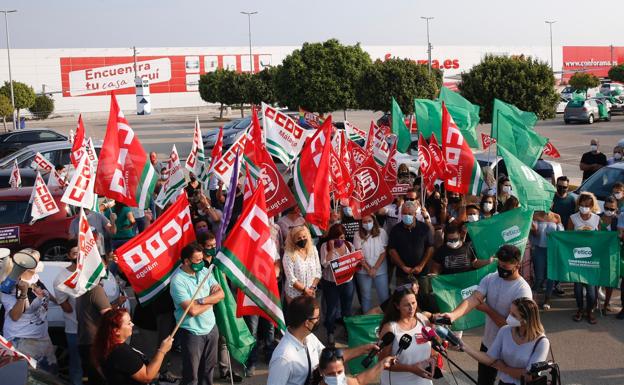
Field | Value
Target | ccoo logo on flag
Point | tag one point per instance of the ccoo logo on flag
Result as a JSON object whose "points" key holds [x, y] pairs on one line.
{"points": [[510, 233], [582, 252], [467, 292]]}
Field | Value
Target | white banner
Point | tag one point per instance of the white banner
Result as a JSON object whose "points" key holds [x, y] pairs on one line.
{"points": [[43, 203], [16, 179], [196, 161], [175, 180], [223, 168], [79, 192], [56, 180], [284, 137], [40, 163]]}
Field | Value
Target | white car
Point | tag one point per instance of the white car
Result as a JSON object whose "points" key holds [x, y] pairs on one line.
{"points": [[549, 169]]}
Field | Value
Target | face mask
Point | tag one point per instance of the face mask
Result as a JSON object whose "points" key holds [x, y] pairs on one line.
{"points": [[487, 207], [512, 321], [562, 189], [301, 243], [340, 379], [584, 210], [473, 217], [368, 226], [618, 195], [197, 267], [617, 156], [407, 219], [504, 273], [609, 213], [347, 211], [454, 199], [454, 244], [507, 189], [163, 177], [212, 252], [338, 242], [335, 223], [594, 147]]}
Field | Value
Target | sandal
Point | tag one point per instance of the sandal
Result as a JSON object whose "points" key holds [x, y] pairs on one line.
{"points": [[591, 318], [578, 317]]}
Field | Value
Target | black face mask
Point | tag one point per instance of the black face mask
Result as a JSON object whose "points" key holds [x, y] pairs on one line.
{"points": [[504, 273], [301, 243], [562, 190], [454, 199]]}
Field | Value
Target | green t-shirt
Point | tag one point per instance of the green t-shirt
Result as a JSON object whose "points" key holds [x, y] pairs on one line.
{"points": [[182, 287], [124, 226]]}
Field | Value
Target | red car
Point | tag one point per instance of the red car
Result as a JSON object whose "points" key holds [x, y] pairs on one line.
{"points": [[48, 235]]}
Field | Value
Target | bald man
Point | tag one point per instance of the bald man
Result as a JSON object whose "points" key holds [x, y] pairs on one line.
{"points": [[592, 160]]}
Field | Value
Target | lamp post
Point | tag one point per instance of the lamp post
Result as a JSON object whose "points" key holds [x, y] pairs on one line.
{"points": [[8, 45], [550, 23], [249, 26], [427, 18]]}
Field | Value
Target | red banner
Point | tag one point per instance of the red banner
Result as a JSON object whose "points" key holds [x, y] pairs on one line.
{"points": [[371, 191], [149, 259], [487, 140], [550, 150], [345, 266]]}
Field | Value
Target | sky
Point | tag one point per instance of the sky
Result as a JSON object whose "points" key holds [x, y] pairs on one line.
{"points": [[207, 23]]}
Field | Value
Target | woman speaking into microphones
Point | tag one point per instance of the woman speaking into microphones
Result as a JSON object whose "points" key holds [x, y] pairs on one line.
{"points": [[517, 346]]}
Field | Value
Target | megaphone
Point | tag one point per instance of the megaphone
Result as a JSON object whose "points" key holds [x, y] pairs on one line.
{"points": [[22, 261]]}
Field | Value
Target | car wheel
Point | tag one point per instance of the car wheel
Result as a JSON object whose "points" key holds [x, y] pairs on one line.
{"points": [[54, 251], [590, 120]]}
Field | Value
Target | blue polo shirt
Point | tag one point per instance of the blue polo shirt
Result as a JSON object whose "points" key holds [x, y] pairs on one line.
{"points": [[182, 287]]}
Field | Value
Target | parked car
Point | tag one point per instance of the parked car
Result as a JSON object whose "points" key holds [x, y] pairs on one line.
{"points": [[586, 111], [548, 169], [55, 152], [561, 105], [612, 89], [601, 182], [386, 120], [13, 141], [27, 175], [231, 131], [48, 235]]}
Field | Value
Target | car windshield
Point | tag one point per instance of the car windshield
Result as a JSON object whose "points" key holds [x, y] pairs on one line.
{"points": [[231, 123], [243, 123], [602, 181], [568, 90], [13, 212]]}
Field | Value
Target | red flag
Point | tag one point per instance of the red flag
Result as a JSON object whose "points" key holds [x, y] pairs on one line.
{"points": [[392, 166], [340, 172], [217, 150], [437, 158], [78, 146], [370, 140], [550, 150], [358, 154], [487, 140], [426, 165], [371, 191], [124, 171]]}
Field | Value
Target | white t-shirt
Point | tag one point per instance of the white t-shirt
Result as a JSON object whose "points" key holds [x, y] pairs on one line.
{"points": [[71, 325], [289, 362], [581, 224], [372, 247], [419, 350], [32, 324]]}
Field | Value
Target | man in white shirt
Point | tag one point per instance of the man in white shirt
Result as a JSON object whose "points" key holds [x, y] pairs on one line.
{"points": [[297, 355]]}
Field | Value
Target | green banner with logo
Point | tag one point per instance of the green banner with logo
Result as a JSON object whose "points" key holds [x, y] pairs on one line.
{"points": [[508, 228], [362, 329], [591, 257], [451, 289]]}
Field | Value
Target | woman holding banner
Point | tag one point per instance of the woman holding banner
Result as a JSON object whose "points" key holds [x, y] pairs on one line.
{"points": [[585, 219], [543, 224]]}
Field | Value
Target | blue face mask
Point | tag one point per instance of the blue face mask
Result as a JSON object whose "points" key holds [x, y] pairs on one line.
{"points": [[407, 219], [347, 211]]}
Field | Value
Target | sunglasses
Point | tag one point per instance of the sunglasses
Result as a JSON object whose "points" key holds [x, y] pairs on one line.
{"points": [[329, 354]]}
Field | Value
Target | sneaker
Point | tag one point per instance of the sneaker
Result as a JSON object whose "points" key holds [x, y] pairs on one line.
{"points": [[546, 306], [235, 377], [250, 371]]}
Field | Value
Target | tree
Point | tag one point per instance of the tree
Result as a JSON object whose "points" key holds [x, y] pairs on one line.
{"points": [[6, 110], [616, 73], [524, 82], [403, 79], [24, 95], [583, 81], [260, 86], [209, 89], [321, 77], [43, 107], [225, 87]]}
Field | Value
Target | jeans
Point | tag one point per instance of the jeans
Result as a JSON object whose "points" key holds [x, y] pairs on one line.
{"points": [[486, 374], [75, 368], [590, 296], [540, 264], [337, 299], [199, 356], [262, 330], [365, 283]]}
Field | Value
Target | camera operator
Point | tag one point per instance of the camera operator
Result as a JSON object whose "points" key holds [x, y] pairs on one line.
{"points": [[517, 346]]}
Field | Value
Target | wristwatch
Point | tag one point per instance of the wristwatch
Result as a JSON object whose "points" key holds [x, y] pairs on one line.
{"points": [[200, 301]]}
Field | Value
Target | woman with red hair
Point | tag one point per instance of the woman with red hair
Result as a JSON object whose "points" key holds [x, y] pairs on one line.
{"points": [[119, 363]]}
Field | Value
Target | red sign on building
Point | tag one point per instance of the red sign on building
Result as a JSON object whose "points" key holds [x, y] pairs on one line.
{"points": [[594, 60]]}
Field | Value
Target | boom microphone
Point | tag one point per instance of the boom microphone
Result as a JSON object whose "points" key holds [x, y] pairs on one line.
{"points": [[448, 335], [386, 340], [431, 336]]}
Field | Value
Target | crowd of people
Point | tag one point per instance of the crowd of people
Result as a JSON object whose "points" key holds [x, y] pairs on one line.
{"points": [[402, 244]]}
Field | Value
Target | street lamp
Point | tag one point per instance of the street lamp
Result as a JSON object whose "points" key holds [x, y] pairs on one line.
{"points": [[6, 28], [428, 42], [550, 23], [249, 25]]}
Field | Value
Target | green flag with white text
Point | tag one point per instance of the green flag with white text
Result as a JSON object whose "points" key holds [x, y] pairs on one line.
{"points": [[513, 129], [429, 118], [361, 329], [399, 128], [464, 113], [532, 190], [590, 257], [451, 289], [508, 228]]}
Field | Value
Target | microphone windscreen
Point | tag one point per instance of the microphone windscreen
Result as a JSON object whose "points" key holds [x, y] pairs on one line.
{"points": [[405, 341], [387, 339]]}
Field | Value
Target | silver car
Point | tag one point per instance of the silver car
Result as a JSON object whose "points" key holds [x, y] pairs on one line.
{"points": [[55, 152], [586, 111]]}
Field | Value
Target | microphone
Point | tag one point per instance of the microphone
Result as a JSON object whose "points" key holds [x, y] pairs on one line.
{"points": [[448, 335], [404, 343], [386, 340], [431, 336]]}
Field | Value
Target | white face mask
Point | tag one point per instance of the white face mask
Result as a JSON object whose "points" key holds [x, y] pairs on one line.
{"points": [[507, 189], [617, 156], [618, 195], [609, 213], [368, 226], [340, 379], [473, 217], [584, 210], [487, 207], [593, 147], [454, 245], [512, 321]]}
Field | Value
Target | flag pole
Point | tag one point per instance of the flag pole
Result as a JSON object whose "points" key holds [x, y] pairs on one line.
{"points": [[495, 159], [201, 284]]}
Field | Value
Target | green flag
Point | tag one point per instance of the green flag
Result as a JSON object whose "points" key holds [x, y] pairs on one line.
{"points": [[429, 117], [399, 128], [508, 228], [239, 339], [464, 113], [451, 289], [513, 129], [361, 329], [591, 257], [531, 189]]}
